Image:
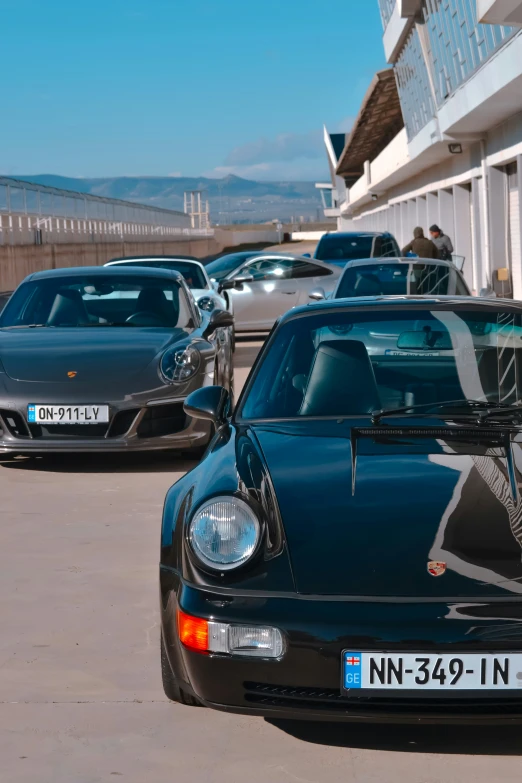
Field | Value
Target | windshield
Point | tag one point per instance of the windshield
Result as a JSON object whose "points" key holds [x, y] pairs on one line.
{"points": [[398, 279], [193, 274], [340, 249], [343, 363], [222, 267], [97, 300]]}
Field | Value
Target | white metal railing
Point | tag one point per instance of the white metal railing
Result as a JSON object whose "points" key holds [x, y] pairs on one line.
{"points": [[36, 214]]}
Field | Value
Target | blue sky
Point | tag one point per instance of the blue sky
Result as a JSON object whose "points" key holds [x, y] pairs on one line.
{"points": [[191, 87]]}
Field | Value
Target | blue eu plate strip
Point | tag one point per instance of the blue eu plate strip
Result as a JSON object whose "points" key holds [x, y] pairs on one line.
{"points": [[31, 414], [352, 670]]}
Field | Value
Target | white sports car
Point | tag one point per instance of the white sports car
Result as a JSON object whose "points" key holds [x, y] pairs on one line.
{"points": [[203, 290]]}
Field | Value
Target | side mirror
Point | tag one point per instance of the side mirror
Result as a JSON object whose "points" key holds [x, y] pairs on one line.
{"points": [[318, 295], [219, 319], [237, 283], [306, 255], [487, 292], [210, 403]]}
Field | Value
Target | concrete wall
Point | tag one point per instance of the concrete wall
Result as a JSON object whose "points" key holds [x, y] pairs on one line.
{"points": [[17, 261]]}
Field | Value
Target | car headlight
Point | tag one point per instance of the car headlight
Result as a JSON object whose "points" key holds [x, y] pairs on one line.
{"points": [[224, 533], [179, 364], [206, 303]]}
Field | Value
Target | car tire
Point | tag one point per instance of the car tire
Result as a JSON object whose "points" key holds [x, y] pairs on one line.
{"points": [[172, 690]]}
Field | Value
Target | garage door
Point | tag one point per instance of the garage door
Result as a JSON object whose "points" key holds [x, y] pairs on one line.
{"points": [[515, 254]]}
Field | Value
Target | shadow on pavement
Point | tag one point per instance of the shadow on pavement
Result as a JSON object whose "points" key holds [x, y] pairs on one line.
{"points": [[458, 740], [100, 463]]}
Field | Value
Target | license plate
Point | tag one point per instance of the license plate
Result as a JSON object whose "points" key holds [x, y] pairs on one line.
{"points": [[67, 414], [432, 672]]}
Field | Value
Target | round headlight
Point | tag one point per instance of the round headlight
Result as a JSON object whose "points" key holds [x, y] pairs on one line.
{"points": [[179, 364], [206, 303], [224, 533]]}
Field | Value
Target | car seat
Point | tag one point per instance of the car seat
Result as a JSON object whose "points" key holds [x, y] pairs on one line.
{"points": [[153, 300], [68, 309], [341, 381]]}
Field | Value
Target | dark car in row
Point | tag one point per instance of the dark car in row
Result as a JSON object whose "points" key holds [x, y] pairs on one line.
{"points": [[351, 545]]}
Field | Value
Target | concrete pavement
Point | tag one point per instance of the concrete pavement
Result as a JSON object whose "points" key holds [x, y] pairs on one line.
{"points": [[80, 690]]}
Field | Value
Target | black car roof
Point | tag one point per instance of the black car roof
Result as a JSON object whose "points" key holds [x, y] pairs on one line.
{"points": [[391, 302], [154, 257], [106, 271], [348, 234]]}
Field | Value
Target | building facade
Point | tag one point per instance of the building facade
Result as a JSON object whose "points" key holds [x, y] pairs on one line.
{"points": [[439, 136]]}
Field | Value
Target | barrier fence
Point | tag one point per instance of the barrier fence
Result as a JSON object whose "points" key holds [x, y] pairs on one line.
{"points": [[37, 214]]}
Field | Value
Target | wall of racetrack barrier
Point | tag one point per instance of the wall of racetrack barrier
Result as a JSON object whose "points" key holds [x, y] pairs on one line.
{"points": [[18, 261]]}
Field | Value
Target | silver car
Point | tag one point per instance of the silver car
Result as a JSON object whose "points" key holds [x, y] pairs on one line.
{"points": [[265, 287], [397, 277]]}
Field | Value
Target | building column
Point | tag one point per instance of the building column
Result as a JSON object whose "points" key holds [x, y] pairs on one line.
{"points": [[479, 278], [406, 234], [432, 202], [497, 222], [446, 219], [422, 213], [462, 223]]}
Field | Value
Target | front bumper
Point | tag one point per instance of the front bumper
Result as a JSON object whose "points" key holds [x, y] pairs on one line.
{"points": [[306, 681], [135, 429]]}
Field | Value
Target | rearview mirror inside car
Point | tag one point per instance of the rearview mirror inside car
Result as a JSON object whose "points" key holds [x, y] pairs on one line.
{"points": [[425, 340]]}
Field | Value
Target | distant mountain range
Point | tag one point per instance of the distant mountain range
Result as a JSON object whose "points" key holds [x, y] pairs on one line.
{"points": [[232, 199]]}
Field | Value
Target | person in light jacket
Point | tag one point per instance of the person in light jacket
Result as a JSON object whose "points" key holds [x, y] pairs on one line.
{"points": [[421, 246], [442, 242]]}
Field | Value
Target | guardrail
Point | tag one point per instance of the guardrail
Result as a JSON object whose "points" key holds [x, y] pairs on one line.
{"points": [[37, 214]]}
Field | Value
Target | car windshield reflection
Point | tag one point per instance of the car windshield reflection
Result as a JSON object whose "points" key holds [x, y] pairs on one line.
{"points": [[342, 364], [81, 302]]}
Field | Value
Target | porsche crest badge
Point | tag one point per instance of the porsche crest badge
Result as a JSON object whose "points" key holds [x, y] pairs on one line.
{"points": [[72, 374], [436, 568]]}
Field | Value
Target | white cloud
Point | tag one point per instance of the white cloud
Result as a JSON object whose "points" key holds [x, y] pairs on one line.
{"points": [[284, 147], [301, 169]]}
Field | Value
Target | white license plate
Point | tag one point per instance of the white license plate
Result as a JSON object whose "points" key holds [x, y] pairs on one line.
{"points": [[67, 414], [432, 672]]}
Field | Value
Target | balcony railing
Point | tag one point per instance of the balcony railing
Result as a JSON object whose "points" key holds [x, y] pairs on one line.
{"points": [[386, 7]]}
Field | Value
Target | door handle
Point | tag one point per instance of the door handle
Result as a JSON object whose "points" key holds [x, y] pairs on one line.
{"points": [[288, 293]]}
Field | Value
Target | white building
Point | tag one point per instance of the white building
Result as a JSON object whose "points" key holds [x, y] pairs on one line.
{"points": [[439, 138]]}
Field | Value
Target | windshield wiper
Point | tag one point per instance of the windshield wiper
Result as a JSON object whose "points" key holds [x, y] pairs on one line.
{"points": [[484, 408], [27, 326]]}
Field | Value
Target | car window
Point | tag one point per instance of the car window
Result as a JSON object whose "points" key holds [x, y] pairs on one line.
{"points": [[76, 301], [192, 273], [339, 249], [399, 279], [223, 266], [281, 269], [352, 363]]}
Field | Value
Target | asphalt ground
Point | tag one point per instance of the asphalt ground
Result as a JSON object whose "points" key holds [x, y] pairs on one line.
{"points": [[80, 690]]}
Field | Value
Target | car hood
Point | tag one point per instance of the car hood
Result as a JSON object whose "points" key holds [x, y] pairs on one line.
{"points": [[409, 501], [46, 355]]}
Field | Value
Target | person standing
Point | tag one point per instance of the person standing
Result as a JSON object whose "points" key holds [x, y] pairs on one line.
{"points": [[442, 242], [421, 245]]}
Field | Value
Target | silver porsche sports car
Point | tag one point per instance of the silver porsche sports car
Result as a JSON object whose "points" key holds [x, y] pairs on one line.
{"points": [[102, 359]]}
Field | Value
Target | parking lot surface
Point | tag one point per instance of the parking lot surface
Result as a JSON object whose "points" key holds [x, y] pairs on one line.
{"points": [[80, 690]]}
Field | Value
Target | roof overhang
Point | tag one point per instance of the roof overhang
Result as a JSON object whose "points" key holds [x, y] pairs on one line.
{"points": [[378, 122]]}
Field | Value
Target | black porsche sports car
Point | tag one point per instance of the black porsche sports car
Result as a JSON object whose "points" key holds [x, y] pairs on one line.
{"points": [[351, 545], [102, 359]]}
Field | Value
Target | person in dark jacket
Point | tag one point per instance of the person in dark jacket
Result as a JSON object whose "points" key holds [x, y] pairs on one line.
{"points": [[421, 246], [442, 242]]}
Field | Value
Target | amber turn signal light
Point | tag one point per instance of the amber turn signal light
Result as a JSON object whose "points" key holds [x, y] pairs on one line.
{"points": [[193, 632]]}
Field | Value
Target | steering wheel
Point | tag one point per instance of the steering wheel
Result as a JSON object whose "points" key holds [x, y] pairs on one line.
{"points": [[145, 318]]}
